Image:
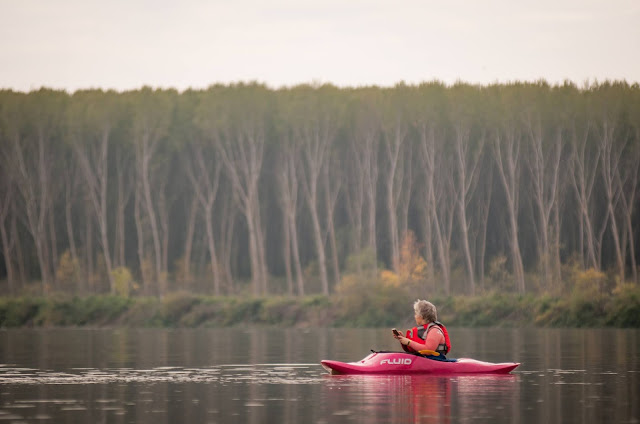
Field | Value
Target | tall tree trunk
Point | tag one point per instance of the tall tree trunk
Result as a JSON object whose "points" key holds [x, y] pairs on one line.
{"points": [[70, 188], [331, 191], [315, 151], [53, 237], [286, 254], [436, 201], [627, 189], [544, 165], [125, 186], [227, 222], [355, 197], [611, 157], [584, 168], [145, 156], [394, 142], [261, 248], [22, 272], [467, 171], [485, 208], [33, 182], [163, 214], [188, 241], [406, 195], [95, 166], [507, 158], [142, 257], [205, 184], [288, 189], [242, 154], [88, 249], [7, 244]]}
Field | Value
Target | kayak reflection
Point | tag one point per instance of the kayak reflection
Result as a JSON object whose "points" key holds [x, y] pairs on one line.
{"points": [[417, 398]]}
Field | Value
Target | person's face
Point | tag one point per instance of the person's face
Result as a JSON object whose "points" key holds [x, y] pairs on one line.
{"points": [[419, 319]]}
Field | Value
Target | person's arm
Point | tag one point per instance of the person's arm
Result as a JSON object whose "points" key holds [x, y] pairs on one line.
{"points": [[434, 338]]}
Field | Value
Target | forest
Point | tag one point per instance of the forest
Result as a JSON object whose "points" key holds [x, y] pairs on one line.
{"points": [[246, 190]]}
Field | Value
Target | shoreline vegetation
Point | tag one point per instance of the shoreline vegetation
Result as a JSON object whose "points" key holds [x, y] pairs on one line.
{"points": [[358, 308]]}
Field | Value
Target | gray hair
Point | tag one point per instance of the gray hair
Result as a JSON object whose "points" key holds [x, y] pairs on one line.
{"points": [[426, 310]]}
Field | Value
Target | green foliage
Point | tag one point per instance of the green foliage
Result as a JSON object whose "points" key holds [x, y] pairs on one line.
{"points": [[177, 305], [494, 309], [68, 269], [123, 281], [499, 275], [20, 311], [281, 310], [371, 302], [94, 310], [358, 302], [624, 308], [588, 298], [209, 312]]}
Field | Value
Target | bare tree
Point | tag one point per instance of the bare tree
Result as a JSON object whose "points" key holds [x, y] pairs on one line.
{"points": [[394, 140], [227, 215], [141, 233], [544, 161], [407, 192], [32, 162], [468, 158], [584, 163], [71, 190], [355, 197], [480, 235], [240, 141], [506, 148], [439, 203], [205, 179], [8, 243], [91, 125], [611, 157], [287, 177], [332, 185], [315, 129], [151, 119], [628, 189], [125, 184], [361, 197]]}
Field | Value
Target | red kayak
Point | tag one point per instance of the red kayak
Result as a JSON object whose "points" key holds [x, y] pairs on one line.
{"points": [[407, 363]]}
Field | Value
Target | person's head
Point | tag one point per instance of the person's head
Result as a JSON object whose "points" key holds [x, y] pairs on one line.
{"points": [[425, 310]]}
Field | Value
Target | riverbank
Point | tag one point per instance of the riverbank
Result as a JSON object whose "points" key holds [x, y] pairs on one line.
{"points": [[618, 309]]}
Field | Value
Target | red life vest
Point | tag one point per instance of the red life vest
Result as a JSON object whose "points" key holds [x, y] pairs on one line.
{"points": [[419, 335]]}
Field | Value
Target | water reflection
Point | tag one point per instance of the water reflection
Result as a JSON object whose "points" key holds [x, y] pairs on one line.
{"points": [[417, 398], [169, 376]]}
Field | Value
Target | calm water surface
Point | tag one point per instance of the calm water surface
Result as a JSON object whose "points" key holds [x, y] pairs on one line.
{"points": [[258, 375]]}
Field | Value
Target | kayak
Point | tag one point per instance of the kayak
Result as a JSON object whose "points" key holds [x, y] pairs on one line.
{"points": [[408, 363]]}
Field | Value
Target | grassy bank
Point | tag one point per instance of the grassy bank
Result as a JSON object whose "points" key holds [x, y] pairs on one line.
{"points": [[368, 308]]}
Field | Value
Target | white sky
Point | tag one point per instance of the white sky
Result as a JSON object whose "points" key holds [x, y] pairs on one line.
{"points": [[120, 44]]}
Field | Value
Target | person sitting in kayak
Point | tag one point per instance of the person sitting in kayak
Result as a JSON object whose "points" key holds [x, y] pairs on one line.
{"points": [[429, 334]]}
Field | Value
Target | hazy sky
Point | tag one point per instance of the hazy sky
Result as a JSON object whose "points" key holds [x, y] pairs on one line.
{"points": [[125, 44]]}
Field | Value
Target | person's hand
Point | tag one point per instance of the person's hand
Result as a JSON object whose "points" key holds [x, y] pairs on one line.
{"points": [[403, 340]]}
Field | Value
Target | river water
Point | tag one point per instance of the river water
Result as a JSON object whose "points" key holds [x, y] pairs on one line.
{"points": [[268, 375]]}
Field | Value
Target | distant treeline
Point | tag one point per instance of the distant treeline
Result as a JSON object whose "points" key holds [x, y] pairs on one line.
{"points": [[242, 189], [621, 309]]}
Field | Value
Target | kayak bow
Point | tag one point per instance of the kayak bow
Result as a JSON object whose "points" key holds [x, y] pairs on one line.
{"points": [[407, 363]]}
